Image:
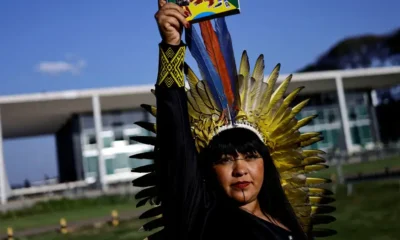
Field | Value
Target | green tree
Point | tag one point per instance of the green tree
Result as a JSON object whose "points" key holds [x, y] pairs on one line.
{"points": [[370, 50]]}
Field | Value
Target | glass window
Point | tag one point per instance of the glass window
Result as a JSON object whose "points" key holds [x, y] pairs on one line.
{"points": [[321, 116], [352, 114], [107, 141], [118, 134], [91, 139], [335, 134], [332, 117], [91, 164], [87, 122], [107, 120], [133, 116], [121, 161], [362, 112], [366, 133], [110, 166], [355, 135]]}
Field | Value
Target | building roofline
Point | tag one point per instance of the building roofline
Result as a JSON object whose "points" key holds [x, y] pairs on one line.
{"points": [[142, 89], [75, 94], [348, 73]]}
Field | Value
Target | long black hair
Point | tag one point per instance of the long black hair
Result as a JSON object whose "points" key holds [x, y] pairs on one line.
{"points": [[272, 199]]}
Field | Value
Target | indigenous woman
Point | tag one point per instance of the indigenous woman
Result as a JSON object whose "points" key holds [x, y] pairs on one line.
{"points": [[228, 158]]}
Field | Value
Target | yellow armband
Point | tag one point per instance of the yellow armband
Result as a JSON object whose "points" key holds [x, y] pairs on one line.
{"points": [[171, 61]]}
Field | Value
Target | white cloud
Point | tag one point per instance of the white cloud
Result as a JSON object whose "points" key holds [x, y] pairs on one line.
{"points": [[60, 67]]}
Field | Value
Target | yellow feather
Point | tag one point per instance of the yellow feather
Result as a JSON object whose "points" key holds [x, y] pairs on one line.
{"points": [[279, 92], [258, 72], [314, 168], [284, 107], [273, 77], [192, 112], [313, 160], [313, 152], [244, 68], [201, 89], [193, 102], [310, 141], [318, 192], [316, 181], [308, 135], [315, 200]]}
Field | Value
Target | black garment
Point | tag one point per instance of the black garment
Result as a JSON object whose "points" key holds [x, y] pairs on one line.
{"points": [[189, 211]]}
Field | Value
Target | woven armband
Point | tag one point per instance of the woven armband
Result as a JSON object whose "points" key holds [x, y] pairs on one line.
{"points": [[171, 61]]}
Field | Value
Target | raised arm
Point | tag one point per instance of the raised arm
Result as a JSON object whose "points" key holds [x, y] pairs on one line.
{"points": [[180, 181]]}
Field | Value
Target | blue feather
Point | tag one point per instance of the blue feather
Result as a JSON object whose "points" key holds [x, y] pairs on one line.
{"points": [[199, 53], [225, 42]]}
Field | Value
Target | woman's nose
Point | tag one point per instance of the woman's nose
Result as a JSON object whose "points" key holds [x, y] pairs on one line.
{"points": [[239, 168]]}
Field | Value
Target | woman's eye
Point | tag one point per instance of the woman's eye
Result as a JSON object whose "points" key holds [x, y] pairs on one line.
{"points": [[225, 160], [252, 157]]}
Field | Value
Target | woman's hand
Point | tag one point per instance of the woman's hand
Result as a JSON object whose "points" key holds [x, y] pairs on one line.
{"points": [[170, 19]]}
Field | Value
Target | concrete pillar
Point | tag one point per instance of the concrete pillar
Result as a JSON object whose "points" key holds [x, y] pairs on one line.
{"points": [[101, 173], [343, 112], [374, 118], [3, 176]]}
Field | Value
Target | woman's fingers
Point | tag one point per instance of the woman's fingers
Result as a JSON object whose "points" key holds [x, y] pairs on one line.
{"points": [[172, 11], [161, 3]]}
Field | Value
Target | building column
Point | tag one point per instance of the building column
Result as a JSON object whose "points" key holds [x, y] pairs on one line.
{"points": [[372, 102], [3, 176], [343, 112], [101, 172]]}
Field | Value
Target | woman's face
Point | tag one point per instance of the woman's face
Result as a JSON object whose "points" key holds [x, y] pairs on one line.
{"points": [[240, 177]]}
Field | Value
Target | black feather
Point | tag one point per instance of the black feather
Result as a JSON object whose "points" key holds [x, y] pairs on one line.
{"points": [[144, 169], [153, 212], [148, 108], [145, 180], [147, 125], [156, 223], [325, 209], [142, 202], [146, 155], [157, 236], [144, 139], [147, 192]]}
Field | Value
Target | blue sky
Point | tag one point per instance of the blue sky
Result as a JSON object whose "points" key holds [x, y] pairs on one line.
{"points": [[58, 45]]}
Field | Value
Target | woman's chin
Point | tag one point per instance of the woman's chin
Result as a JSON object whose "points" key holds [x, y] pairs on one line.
{"points": [[240, 197]]}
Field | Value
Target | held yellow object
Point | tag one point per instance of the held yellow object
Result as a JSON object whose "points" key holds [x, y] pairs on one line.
{"points": [[200, 10], [10, 233], [115, 218], [63, 226]]}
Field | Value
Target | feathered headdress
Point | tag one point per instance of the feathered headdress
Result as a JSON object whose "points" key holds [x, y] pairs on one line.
{"points": [[229, 97]]}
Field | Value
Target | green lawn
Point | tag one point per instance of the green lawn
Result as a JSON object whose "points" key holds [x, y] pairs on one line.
{"points": [[373, 210], [364, 167], [371, 213], [45, 214], [128, 230], [53, 218]]}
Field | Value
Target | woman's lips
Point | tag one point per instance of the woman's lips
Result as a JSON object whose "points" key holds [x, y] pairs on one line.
{"points": [[241, 185]]}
